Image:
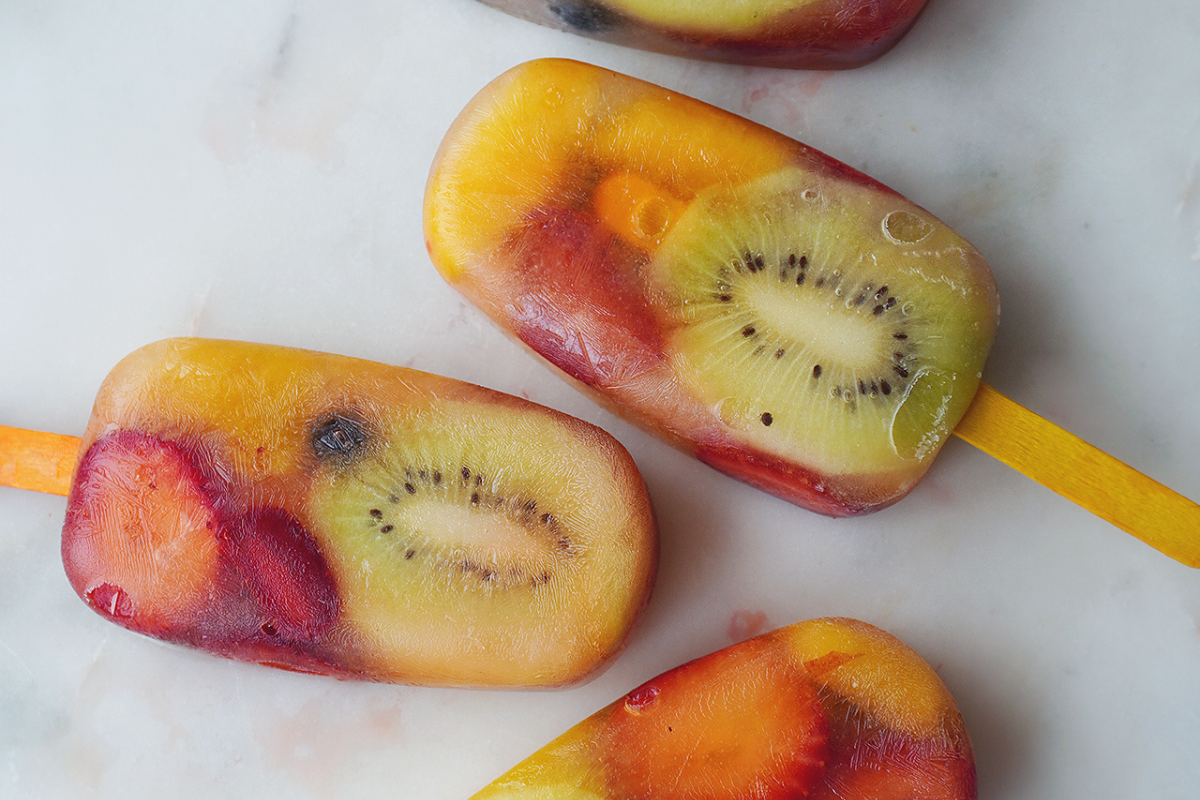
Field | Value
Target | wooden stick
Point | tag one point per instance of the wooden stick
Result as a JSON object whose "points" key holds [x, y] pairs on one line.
{"points": [[1061, 461], [41, 462]]}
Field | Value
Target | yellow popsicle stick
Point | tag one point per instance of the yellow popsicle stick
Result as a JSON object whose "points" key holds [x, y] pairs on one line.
{"points": [[1086, 475], [40, 462]]}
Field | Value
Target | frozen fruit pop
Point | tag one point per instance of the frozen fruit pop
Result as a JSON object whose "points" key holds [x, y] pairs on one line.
{"points": [[332, 515], [771, 310], [829, 709], [797, 34], [764, 307]]}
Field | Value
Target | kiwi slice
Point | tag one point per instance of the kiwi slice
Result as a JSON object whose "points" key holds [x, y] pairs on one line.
{"points": [[478, 544], [825, 321]]}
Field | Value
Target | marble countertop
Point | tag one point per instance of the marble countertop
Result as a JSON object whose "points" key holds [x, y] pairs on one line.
{"points": [[255, 171]]}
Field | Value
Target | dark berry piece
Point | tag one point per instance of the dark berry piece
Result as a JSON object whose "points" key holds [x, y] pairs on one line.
{"points": [[285, 571], [339, 436]]}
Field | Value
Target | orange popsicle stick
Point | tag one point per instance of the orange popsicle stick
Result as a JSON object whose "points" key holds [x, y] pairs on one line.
{"points": [[40, 462], [1086, 475]]}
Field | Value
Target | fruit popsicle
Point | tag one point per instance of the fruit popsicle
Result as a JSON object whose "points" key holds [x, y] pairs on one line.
{"points": [[796, 34], [775, 313], [829, 709], [770, 310], [336, 516]]}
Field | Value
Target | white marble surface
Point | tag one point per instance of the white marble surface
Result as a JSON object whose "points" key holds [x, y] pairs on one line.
{"points": [[255, 171]]}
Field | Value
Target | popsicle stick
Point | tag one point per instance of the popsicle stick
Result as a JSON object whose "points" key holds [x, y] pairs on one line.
{"points": [[1061, 461], [1035, 447], [40, 462]]}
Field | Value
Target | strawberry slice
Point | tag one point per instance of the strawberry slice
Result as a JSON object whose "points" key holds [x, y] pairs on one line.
{"points": [[286, 573], [563, 258]]}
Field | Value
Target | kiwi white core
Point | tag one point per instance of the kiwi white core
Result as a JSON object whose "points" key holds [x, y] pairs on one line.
{"points": [[496, 548], [731, 16], [834, 333]]}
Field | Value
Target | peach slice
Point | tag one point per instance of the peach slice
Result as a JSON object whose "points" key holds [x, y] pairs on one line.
{"points": [[332, 515], [756, 303], [797, 34], [767, 719], [741, 724]]}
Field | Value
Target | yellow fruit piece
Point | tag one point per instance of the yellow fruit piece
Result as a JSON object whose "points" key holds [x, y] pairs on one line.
{"points": [[231, 397], [524, 136], [547, 133], [687, 146], [875, 671], [562, 770]]}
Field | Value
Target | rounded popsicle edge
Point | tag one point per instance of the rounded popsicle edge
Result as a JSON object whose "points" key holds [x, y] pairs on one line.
{"points": [[207, 513]]}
